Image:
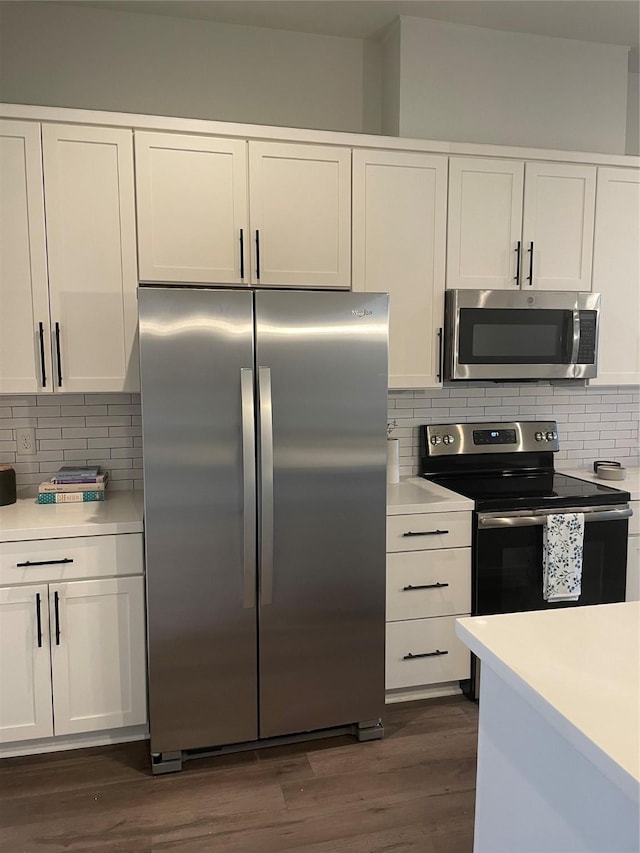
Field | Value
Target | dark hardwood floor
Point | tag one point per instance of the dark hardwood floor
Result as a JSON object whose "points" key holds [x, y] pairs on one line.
{"points": [[412, 791]]}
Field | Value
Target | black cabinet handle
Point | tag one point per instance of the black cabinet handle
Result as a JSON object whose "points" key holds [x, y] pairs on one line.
{"points": [[58, 355], [437, 653], [425, 533], [44, 563], [42, 361], [425, 586], [39, 620], [242, 253], [518, 259], [530, 276], [57, 614], [258, 255], [439, 375]]}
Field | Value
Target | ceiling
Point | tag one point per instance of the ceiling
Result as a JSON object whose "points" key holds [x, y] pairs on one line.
{"points": [[605, 21]]}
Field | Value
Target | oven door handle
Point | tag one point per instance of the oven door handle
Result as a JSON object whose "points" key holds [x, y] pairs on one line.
{"points": [[487, 520]]}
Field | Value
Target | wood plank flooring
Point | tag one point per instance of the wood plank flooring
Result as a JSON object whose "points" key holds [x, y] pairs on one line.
{"points": [[412, 791]]}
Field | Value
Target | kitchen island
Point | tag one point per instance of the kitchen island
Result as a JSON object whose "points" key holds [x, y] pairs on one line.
{"points": [[559, 731]]}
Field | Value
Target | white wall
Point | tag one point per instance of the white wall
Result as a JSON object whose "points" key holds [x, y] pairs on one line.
{"points": [[478, 85], [633, 116], [390, 107], [67, 56]]}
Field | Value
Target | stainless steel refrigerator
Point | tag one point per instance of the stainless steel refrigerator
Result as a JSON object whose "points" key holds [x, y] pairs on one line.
{"points": [[264, 433]]}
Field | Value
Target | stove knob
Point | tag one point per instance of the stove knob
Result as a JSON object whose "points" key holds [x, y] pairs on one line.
{"points": [[551, 436], [448, 439], [435, 439], [539, 436]]}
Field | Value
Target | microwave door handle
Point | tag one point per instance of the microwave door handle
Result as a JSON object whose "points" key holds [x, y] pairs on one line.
{"points": [[575, 345]]}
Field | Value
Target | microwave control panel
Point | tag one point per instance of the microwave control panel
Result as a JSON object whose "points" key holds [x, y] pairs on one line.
{"points": [[587, 345]]}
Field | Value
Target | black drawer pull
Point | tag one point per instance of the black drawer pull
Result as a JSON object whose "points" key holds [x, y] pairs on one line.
{"points": [[425, 533], [425, 586], [437, 653], [44, 563]]}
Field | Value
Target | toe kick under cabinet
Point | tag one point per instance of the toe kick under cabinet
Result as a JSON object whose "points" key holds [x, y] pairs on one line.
{"points": [[428, 587], [72, 637]]}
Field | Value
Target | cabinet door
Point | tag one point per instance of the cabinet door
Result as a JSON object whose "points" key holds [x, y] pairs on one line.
{"points": [[89, 203], [300, 213], [559, 202], [192, 208], [616, 275], [98, 654], [399, 210], [484, 223], [25, 675], [25, 354]]}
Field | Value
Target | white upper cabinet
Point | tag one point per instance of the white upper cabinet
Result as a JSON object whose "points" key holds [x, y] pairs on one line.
{"points": [[557, 228], [90, 214], [485, 223], [300, 211], [193, 223], [514, 225], [616, 275], [399, 215], [220, 211], [25, 353]]}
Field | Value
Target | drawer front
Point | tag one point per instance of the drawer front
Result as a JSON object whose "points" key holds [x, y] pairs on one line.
{"points": [[66, 559], [428, 583], [428, 531], [424, 636], [634, 521]]}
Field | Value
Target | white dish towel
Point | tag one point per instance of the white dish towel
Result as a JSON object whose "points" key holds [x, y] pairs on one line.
{"points": [[562, 556]]}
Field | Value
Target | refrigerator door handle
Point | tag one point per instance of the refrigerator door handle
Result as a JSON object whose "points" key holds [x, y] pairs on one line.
{"points": [[248, 487], [266, 486]]}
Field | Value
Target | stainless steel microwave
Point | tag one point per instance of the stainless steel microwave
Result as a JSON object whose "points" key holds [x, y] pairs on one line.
{"points": [[512, 335]]}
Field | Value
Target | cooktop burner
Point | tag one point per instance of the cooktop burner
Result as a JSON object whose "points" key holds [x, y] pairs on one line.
{"points": [[535, 490], [506, 466]]}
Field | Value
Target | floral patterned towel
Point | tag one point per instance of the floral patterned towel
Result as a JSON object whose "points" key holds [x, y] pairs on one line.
{"points": [[562, 556]]}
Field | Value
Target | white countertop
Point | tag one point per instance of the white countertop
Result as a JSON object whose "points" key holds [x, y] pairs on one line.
{"points": [[631, 482], [415, 494], [120, 512], [579, 667]]}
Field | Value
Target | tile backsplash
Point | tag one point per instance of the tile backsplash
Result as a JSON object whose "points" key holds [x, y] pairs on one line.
{"points": [[105, 429], [83, 429], [593, 423]]}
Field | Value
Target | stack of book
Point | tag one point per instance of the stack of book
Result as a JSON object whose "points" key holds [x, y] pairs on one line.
{"points": [[74, 484]]}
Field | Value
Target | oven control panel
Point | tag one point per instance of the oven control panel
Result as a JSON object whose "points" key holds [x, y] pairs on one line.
{"points": [[514, 437]]}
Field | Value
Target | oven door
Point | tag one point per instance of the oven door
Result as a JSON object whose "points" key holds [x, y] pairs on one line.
{"points": [[508, 560]]}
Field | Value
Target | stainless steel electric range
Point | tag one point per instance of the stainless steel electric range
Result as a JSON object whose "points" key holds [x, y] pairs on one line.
{"points": [[507, 469]]}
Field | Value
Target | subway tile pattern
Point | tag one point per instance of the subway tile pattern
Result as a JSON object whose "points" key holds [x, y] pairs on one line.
{"points": [[593, 423], [105, 429], [83, 429]]}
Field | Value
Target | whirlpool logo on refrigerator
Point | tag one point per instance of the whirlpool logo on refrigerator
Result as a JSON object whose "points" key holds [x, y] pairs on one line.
{"points": [[364, 312]]}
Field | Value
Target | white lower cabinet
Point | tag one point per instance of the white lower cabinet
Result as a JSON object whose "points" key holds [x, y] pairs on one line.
{"points": [[72, 652], [428, 587], [98, 654], [25, 665]]}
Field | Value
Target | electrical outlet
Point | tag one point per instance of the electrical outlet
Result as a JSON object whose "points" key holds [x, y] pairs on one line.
{"points": [[26, 440]]}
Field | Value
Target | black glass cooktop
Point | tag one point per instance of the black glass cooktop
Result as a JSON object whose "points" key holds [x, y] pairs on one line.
{"points": [[536, 490]]}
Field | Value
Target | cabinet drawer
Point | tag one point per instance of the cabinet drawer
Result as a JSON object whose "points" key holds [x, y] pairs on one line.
{"points": [[634, 521], [427, 531], [65, 559], [428, 583], [424, 636]]}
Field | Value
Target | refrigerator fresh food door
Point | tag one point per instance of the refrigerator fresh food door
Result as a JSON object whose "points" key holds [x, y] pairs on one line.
{"points": [[200, 508], [322, 400]]}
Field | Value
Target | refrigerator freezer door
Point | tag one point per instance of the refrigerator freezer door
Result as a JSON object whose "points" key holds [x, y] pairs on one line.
{"points": [[321, 618], [197, 402]]}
